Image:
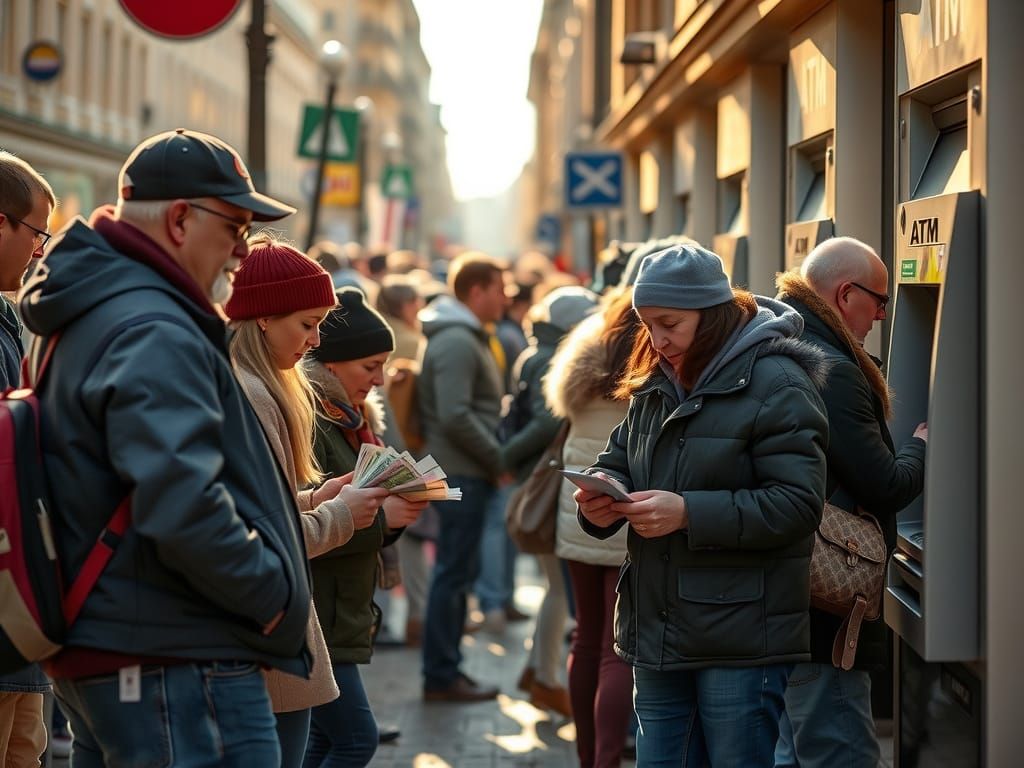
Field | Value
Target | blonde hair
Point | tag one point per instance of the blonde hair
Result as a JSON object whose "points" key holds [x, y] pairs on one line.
{"points": [[289, 388]]}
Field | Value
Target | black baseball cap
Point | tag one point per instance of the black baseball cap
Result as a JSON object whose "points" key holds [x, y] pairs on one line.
{"points": [[188, 164]]}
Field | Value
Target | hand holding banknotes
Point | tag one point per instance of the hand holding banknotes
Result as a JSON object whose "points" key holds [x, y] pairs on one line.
{"points": [[400, 512], [597, 506], [364, 503], [654, 513], [330, 489]]}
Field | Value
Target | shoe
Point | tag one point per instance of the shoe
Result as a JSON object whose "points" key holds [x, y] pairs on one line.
{"points": [[414, 633], [59, 745], [525, 680], [385, 639], [463, 688], [494, 621], [555, 698], [387, 734], [514, 615]]}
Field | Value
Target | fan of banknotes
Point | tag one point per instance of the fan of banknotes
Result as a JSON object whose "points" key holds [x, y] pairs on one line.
{"points": [[382, 467]]}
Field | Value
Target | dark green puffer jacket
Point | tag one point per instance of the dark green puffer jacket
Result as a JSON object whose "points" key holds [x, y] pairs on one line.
{"points": [[345, 578], [746, 450]]}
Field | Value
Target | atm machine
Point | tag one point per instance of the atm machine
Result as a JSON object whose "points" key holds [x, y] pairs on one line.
{"points": [[933, 598]]}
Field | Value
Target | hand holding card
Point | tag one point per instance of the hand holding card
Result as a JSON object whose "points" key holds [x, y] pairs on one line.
{"points": [[600, 484]]}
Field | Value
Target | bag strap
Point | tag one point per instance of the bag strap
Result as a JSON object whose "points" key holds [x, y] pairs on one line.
{"points": [[844, 647], [96, 561]]}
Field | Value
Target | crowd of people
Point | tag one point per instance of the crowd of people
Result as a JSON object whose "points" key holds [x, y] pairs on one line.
{"points": [[224, 382]]}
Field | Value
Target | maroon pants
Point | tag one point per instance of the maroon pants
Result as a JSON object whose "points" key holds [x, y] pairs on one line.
{"points": [[600, 683]]}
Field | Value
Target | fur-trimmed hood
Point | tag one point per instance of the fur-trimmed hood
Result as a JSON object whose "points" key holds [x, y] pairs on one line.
{"points": [[327, 385], [807, 355], [579, 371], [794, 287]]}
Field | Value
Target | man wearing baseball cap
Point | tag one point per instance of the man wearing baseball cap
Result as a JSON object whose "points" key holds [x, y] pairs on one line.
{"points": [[209, 583]]}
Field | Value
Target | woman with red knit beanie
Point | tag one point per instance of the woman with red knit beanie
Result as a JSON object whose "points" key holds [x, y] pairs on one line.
{"points": [[278, 301]]}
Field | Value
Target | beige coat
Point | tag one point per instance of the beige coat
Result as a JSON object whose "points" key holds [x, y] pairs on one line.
{"points": [[574, 387], [324, 528]]}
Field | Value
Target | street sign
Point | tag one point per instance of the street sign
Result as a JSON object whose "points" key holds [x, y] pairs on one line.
{"points": [[341, 185], [42, 61], [397, 182], [181, 19], [549, 230], [593, 179], [342, 134]]}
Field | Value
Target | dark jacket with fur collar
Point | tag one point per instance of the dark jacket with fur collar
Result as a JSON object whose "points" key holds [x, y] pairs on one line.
{"points": [[864, 469], [746, 450]]}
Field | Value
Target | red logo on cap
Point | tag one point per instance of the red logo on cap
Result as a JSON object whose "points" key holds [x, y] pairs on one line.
{"points": [[240, 167]]}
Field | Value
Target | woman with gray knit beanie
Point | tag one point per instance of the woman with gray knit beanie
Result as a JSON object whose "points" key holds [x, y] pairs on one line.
{"points": [[722, 456]]}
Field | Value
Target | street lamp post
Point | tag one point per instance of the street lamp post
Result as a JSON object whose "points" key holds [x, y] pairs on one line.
{"points": [[333, 59], [391, 143], [364, 105], [259, 41]]}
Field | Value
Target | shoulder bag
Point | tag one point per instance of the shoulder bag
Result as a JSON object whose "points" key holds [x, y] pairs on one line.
{"points": [[848, 575], [532, 509]]}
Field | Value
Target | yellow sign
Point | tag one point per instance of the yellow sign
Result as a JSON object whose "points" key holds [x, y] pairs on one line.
{"points": [[341, 185]]}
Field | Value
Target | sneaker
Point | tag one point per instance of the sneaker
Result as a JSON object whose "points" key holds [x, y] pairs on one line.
{"points": [[59, 745], [463, 689]]}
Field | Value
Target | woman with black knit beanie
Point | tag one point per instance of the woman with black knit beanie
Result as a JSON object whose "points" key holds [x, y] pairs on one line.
{"points": [[346, 370]]}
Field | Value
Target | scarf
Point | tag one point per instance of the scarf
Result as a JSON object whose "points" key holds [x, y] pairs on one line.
{"points": [[352, 421], [792, 286]]}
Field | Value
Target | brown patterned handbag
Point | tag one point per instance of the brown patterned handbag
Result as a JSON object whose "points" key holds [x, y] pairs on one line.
{"points": [[848, 575]]}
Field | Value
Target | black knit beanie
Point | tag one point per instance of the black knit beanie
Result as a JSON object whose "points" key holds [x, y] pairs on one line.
{"points": [[352, 330]]}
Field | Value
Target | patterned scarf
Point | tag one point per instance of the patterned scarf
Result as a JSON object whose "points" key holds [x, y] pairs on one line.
{"points": [[355, 426]]}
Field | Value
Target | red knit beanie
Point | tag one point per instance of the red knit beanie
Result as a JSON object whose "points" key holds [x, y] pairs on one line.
{"points": [[276, 279]]}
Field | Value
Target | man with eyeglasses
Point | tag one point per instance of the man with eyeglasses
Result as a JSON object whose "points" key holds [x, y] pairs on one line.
{"points": [[841, 291], [26, 202], [209, 584]]}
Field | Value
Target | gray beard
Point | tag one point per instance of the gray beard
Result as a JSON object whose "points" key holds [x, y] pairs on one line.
{"points": [[220, 293]]}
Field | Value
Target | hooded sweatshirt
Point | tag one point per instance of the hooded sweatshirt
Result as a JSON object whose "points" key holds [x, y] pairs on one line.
{"points": [[459, 392], [142, 401]]}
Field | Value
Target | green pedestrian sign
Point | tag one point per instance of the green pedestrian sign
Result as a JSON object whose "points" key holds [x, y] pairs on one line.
{"points": [[397, 182], [342, 134]]}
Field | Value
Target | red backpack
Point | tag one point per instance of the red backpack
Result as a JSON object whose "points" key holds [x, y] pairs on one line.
{"points": [[35, 609]]}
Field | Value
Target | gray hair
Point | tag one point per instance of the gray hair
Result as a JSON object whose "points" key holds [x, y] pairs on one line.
{"points": [[837, 260], [141, 211]]}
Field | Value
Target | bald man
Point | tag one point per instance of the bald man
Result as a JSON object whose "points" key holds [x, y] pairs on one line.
{"points": [[841, 291]]}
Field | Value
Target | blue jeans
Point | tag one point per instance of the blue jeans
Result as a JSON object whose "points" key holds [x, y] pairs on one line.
{"points": [[724, 716], [456, 567], [828, 720], [189, 716], [496, 583], [292, 733], [344, 731]]}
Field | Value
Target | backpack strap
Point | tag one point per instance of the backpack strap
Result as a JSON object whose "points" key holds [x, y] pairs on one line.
{"points": [[96, 561]]}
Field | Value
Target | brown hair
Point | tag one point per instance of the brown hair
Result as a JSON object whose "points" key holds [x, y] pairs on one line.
{"points": [[716, 324], [395, 292], [20, 183], [471, 269], [621, 325]]}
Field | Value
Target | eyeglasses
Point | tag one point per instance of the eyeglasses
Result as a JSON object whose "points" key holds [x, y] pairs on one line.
{"points": [[883, 299], [41, 236], [244, 227]]}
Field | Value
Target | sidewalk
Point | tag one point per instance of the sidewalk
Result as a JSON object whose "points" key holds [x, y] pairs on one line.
{"points": [[505, 732]]}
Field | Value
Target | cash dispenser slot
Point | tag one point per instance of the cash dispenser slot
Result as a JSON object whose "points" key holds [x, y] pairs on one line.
{"points": [[810, 206]]}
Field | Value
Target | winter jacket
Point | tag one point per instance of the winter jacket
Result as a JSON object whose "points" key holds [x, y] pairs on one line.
{"points": [[864, 469], [459, 392], [540, 427], [746, 451], [142, 400], [327, 526], [344, 579], [575, 387]]}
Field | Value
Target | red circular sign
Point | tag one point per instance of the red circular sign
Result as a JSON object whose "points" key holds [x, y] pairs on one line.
{"points": [[182, 18]]}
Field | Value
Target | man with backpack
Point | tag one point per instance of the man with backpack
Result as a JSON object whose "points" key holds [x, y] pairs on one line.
{"points": [[26, 202], [209, 583]]}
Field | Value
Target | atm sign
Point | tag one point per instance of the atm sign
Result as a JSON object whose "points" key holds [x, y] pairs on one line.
{"points": [[908, 269]]}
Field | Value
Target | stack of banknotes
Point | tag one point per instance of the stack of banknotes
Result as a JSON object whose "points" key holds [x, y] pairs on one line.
{"points": [[383, 467]]}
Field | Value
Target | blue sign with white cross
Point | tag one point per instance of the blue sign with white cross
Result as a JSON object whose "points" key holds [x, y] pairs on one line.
{"points": [[593, 179]]}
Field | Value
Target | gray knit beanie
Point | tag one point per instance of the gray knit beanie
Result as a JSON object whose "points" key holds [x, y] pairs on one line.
{"points": [[681, 277]]}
